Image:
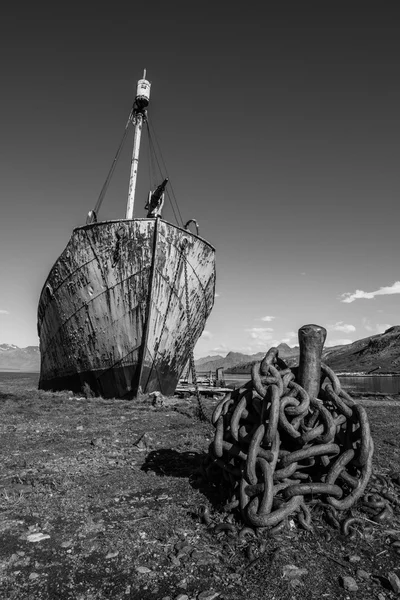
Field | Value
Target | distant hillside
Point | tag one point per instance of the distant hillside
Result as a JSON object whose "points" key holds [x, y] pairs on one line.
{"points": [[236, 362], [206, 359], [230, 360], [13, 358], [290, 355], [379, 353]]}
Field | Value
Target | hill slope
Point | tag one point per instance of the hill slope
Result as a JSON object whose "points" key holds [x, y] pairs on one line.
{"points": [[230, 360], [380, 353], [236, 362]]}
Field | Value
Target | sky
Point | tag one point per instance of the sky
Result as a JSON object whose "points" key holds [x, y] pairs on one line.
{"points": [[280, 128]]}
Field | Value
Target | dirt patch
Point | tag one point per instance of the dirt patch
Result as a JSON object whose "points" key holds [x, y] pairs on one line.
{"points": [[100, 498]]}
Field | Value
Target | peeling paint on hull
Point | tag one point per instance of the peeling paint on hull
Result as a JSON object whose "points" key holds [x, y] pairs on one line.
{"points": [[112, 312]]}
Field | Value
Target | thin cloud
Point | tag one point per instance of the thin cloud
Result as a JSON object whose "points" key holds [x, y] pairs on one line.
{"points": [[291, 334], [267, 318], [375, 328], [260, 333], [382, 327], [342, 342], [202, 350], [344, 327], [221, 349], [290, 338], [383, 291], [263, 345], [206, 335], [4, 312]]}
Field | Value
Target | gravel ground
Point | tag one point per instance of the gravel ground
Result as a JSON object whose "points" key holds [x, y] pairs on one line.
{"points": [[99, 499]]}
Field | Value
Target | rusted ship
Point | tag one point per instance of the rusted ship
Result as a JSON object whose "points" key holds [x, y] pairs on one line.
{"points": [[125, 303]]}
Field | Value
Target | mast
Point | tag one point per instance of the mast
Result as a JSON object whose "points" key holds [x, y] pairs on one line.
{"points": [[138, 116]]}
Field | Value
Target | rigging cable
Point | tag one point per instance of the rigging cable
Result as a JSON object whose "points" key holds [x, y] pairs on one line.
{"points": [[152, 134], [154, 155], [152, 170], [151, 164], [111, 171]]}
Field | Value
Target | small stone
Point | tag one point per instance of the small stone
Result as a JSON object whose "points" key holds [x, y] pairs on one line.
{"points": [[349, 584], [143, 442], [361, 574], [203, 558], [396, 477], [80, 428], [295, 583], [182, 584], [66, 544], [293, 572], [182, 597], [208, 595], [179, 545], [394, 582], [37, 537], [112, 554], [184, 551], [143, 570], [175, 561], [157, 399], [354, 558], [33, 576]]}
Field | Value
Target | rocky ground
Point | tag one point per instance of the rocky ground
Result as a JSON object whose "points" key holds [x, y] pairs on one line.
{"points": [[100, 499]]}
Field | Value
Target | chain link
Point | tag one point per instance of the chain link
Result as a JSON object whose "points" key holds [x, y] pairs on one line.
{"points": [[276, 450]]}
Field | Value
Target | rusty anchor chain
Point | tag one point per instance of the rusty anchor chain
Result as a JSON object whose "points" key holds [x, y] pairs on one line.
{"points": [[289, 439]]}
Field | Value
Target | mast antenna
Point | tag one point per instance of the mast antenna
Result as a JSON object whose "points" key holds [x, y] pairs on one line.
{"points": [[139, 114]]}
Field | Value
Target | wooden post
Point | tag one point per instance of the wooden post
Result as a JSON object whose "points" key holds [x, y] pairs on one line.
{"points": [[220, 378]]}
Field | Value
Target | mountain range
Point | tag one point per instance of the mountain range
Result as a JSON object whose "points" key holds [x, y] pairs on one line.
{"points": [[236, 360], [378, 353], [13, 358]]}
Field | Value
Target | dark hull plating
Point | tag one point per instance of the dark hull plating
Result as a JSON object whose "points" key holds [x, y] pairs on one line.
{"points": [[112, 313]]}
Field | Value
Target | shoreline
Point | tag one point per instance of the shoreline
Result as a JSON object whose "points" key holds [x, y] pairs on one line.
{"points": [[339, 374]]}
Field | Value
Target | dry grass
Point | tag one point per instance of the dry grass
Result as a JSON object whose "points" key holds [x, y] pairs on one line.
{"points": [[112, 483]]}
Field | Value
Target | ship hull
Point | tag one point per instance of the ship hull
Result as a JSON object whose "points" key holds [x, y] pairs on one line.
{"points": [[113, 311]]}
